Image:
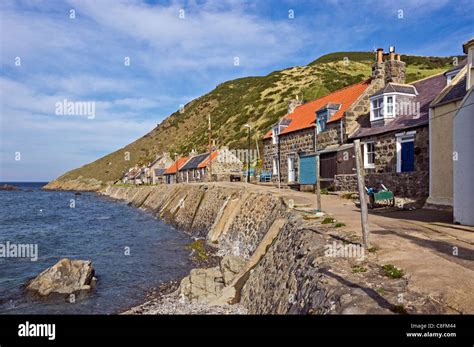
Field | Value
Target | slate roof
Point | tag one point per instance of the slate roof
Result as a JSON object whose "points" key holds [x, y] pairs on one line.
{"points": [[159, 172], [194, 162], [396, 88], [204, 163], [428, 89], [453, 92], [177, 164], [304, 116]]}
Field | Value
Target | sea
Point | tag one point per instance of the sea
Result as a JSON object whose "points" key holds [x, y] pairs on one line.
{"points": [[132, 252]]}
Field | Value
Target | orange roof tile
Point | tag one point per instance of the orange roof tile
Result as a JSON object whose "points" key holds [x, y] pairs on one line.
{"points": [[204, 163], [177, 164], [304, 116]]}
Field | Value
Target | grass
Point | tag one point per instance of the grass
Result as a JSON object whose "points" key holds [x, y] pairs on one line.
{"points": [[358, 269], [380, 290], [199, 249], [339, 225], [328, 220], [392, 271]]}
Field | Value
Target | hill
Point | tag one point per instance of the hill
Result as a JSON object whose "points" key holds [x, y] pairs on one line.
{"points": [[258, 100]]}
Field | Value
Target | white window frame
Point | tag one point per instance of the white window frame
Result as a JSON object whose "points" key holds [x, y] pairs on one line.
{"points": [[407, 136], [368, 165], [379, 109], [386, 105], [275, 133], [275, 166]]}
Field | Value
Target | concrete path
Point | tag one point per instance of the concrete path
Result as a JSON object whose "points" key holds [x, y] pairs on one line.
{"points": [[437, 258]]}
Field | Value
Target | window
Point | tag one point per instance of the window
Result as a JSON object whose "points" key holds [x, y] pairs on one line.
{"points": [[321, 119], [275, 133], [377, 108], [275, 166], [369, 155], [389, 105]]}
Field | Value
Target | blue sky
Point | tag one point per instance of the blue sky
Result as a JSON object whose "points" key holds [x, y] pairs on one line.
{"points": [[173, 60]]}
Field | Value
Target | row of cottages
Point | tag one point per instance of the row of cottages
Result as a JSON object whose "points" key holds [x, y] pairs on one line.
{"points": [[152, 173], [451, 132], [223, 164], [390, 118]]}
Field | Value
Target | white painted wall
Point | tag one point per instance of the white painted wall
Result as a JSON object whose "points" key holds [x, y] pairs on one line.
{"points": [[463, 179]]}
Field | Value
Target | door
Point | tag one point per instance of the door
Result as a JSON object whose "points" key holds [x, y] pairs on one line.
{"points": [[307, 171], [408, 156], [291, 169]]}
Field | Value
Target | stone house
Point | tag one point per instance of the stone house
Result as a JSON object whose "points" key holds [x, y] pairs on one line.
{"points": [[171, 174], [132, 175], [190, 172], [325, 123], [395, 138], [222, 163], [157, 168], [451, 123]]}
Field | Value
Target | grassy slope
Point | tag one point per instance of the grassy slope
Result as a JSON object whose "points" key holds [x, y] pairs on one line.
{"points": [[260, 101]]}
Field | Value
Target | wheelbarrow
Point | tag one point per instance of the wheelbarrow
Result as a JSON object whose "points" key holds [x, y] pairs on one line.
{"points": [[376, 197]]}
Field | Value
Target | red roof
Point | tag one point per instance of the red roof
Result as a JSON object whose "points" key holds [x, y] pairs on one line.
{"points": [[304, 116], [204, 163], [177, 164]]}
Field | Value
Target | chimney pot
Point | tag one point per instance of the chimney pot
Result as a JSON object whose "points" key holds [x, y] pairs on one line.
{"points": [[392, 56], [379, 55], [398, 56]]}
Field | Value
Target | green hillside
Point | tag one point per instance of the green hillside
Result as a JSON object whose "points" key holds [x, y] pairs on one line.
{"points": [[260, 101]]}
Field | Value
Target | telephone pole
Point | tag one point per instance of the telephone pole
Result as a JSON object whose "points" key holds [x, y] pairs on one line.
{"points": [[209, 178]]}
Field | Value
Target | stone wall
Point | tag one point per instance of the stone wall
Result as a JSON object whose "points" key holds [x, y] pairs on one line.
{"points": [[293, 143], [413, 185], [386, 151]]}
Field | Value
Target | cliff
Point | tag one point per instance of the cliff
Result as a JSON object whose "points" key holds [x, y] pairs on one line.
{"points": [[275, 258]]}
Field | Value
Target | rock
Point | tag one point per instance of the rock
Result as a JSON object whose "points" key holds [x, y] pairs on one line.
{"points": [[231, 266], [65, 277], [8, 187], [202, 285]]}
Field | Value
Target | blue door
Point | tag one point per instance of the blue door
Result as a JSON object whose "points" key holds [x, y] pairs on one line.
{"points": [[307, 170], [408, 156]]}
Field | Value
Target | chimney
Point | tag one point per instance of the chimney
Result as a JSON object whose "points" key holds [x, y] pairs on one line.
{"points": [[395, 69], [398, 57], [468, 48], [379, 55], [377, 68]]}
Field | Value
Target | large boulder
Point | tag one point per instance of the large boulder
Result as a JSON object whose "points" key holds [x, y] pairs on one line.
{"points": [[202, 285], [65, 277], [231, 266]]}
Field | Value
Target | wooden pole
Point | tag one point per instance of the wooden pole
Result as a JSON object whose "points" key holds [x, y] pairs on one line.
{"points": [[209, 178], [318, 183], [318, 171], [362, 194]]}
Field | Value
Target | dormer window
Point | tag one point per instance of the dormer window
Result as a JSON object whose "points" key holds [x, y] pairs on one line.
{"points": [[323, 115], [278, 128], [275, 133], [387, 103]]}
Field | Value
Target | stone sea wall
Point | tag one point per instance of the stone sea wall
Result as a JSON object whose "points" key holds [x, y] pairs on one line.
{"points": [[273, 261]]}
